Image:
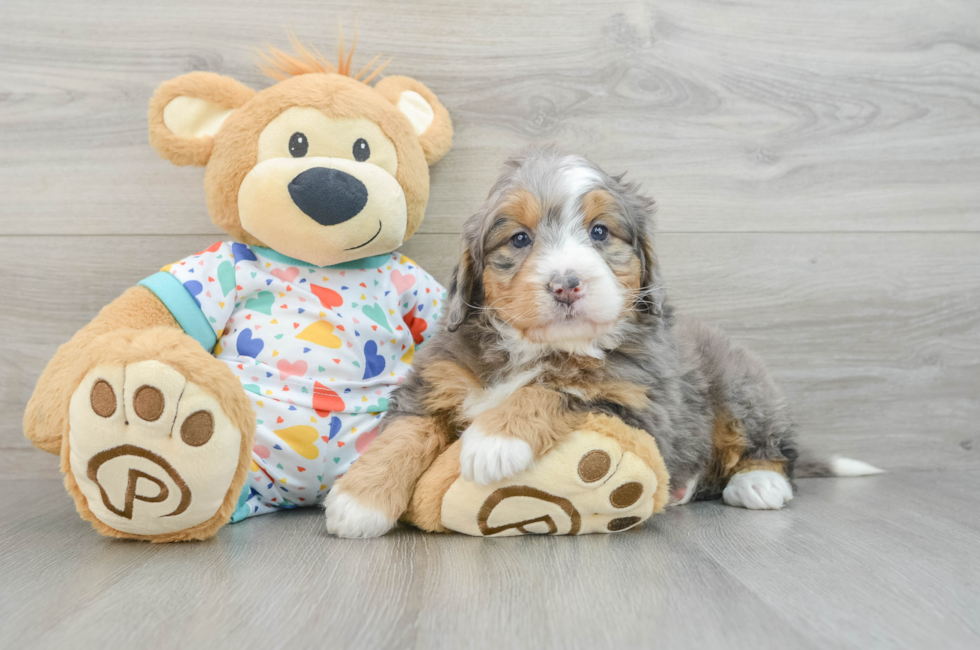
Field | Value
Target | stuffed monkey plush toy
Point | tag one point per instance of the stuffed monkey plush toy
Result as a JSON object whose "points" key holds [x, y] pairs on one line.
{"points": [[245, 378]]}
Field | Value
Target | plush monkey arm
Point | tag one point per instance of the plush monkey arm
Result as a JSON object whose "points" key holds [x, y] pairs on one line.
{"points": [[46, 416]]}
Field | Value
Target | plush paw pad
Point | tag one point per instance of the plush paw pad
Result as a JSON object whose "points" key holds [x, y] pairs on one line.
{"points": [[487, 459], [151, 452], [348, 518], [758, 490], [590, 483]]}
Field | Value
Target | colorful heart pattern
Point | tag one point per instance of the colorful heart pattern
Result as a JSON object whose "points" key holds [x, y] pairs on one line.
{"points": [[374, 363], [318, 351], [326, 400], [287, 369], [328, 297], [321, 333], [248, 346]]}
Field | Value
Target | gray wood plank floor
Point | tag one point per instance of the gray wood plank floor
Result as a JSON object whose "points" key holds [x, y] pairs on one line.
{"points": [[888, 561], [817, 166]]}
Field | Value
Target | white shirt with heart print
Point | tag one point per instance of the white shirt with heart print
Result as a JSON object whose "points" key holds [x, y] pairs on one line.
{"points": [[318, 351]]}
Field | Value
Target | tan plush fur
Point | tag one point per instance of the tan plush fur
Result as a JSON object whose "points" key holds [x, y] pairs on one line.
{"points": [[138, 327], [222, 91], [46, 416], [182, 353], [236, 145], [134, 327], [639, 443], [439, 136], [425, 508], [306, 79]]}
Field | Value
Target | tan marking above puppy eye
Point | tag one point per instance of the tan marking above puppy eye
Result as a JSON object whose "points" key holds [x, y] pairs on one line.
{"points": [[523, 207], [327, 137], [597, 203]]}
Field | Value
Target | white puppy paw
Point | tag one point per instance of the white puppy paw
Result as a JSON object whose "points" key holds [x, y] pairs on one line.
{"points": [[758, 490], [348, 518], [487, 459]]}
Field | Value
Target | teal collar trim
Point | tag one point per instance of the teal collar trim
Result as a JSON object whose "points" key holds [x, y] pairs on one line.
{"points": [[375, 262], [184, 307]]}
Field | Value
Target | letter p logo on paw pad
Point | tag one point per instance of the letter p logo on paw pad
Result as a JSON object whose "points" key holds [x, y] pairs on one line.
{"points": [[151, 452]]}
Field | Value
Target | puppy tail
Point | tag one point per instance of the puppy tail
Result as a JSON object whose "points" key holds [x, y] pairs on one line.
{"points": [[836, 466]]}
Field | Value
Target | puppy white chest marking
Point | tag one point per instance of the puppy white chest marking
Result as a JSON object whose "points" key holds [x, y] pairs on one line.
{"points": [[479, 401]]}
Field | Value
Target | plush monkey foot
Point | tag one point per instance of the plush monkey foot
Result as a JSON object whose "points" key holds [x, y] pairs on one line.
{"points": [[604, 478], [152, 455]]}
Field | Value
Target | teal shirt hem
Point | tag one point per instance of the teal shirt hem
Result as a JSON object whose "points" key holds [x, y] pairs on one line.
{"points": [[183, 306], [374, 262]]}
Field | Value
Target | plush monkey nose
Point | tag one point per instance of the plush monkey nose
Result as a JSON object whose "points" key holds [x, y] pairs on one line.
{"points": [[328, 196], [566, 287]]}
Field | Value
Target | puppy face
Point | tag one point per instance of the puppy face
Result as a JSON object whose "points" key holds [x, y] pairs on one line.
{"points": [[559, 253]]}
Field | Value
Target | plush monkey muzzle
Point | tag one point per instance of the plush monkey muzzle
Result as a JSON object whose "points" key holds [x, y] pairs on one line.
{"points": [[328, 196]]}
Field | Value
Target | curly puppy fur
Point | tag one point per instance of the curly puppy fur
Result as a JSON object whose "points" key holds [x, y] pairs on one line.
{"points": [[513, 349]]}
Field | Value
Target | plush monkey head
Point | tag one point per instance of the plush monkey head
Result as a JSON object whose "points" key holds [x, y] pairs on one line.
{"points": [[320, 166]]}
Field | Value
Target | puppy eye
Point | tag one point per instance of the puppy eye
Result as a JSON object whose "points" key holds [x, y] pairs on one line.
{"points": [[361, 150], [599, 233], [520, 240], [298, 145]]}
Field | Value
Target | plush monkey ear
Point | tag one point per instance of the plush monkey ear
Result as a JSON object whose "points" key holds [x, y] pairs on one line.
{"points": [[186, 112], [428, 116]]}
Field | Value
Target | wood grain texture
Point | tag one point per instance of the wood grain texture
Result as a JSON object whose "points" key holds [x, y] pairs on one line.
{"points": [[701, 576], [752, 116]]}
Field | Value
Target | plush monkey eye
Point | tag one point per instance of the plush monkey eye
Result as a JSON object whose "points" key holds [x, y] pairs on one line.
{"points": [[520, 240], [599, 233], [361, 150], [298, 145]]}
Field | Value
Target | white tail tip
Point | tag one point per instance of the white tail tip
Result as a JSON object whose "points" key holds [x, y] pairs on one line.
{"points": [[851, 467]]}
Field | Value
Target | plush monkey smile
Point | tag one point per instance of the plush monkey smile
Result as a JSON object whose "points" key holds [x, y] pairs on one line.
{"points": [[354, 248], [323, 210]]}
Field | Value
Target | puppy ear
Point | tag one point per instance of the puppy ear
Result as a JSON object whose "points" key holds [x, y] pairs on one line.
{"points": [[652, 293], [641, 211], [186, 112], [428, 116], [466, 287]]}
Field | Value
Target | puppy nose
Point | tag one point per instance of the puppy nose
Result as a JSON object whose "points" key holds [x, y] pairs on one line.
{"points": [[328, 196], [566, 287]]}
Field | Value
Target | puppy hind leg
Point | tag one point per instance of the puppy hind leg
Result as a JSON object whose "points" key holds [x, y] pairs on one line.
{"points": [[369, 499], [754, 472]]}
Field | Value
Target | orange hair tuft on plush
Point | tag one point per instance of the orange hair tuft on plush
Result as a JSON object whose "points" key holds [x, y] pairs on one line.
{"points": [[306, 59]]}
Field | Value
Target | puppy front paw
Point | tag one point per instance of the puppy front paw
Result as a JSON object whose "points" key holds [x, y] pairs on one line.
{"points": [[487, 459], [758, 490], [348, 518]]}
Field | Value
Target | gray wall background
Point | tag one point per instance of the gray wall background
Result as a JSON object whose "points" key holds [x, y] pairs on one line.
{"points": [[817, 166]]}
